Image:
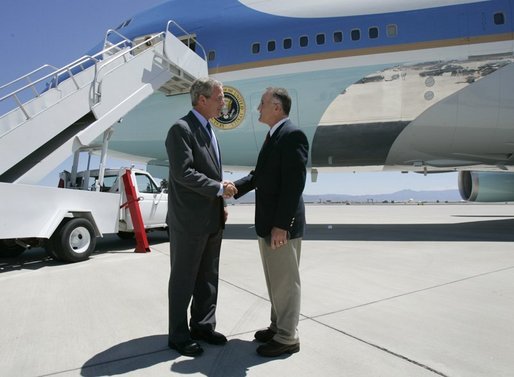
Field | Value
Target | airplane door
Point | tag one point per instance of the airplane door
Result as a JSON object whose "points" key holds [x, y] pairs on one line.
{"points": [[429, 104], [478, 104], [153, 204]]}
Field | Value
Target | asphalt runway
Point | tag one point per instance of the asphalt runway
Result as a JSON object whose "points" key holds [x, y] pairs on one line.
{"points": [[387, 290]]}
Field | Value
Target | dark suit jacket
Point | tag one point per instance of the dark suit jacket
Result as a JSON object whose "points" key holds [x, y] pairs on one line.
{"points": [[194, 180], [279, 180]]}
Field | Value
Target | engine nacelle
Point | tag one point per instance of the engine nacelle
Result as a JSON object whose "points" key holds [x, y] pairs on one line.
{"points": [[486, 186]]}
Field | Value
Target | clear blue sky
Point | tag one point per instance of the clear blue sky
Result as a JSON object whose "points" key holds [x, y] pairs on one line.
{"points": [[56, 32]]}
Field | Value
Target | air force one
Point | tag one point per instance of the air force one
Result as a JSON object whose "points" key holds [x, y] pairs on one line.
{"points": [[424, 86]]}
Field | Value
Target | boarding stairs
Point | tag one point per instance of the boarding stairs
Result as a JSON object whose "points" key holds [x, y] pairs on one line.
{"points": [[54, 116]]}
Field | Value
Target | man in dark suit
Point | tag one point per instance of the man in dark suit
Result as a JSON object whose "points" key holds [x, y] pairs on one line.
{"points": [[279, 180], [196, 218]]}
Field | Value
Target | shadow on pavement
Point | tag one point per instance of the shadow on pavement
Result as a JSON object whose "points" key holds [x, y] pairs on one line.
{"points": [[231, 360], [129, 356], [488, 230]]}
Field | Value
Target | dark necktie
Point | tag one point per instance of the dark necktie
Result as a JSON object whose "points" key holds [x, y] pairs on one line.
{"points": [[214, 142], [267, 139], [209, 129]]}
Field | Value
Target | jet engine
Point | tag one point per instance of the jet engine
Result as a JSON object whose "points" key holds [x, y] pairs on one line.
{"points": [[486, 186]]}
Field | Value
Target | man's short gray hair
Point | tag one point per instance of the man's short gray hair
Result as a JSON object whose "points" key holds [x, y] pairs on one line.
{"points": [[283, 97], [203, 87]]}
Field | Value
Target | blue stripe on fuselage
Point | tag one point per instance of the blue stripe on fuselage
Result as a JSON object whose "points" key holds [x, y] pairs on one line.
{"points": [[230, 28]]}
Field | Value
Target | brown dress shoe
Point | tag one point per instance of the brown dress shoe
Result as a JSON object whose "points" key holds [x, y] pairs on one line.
{"points": [[274, 349], [265, 335]]}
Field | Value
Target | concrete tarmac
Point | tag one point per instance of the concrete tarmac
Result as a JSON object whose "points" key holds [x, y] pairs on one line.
{"points": [[387, 291]]}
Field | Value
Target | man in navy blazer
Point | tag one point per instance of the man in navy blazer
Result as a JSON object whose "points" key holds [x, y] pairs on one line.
{"points": [[196, 218], [279, 180]]}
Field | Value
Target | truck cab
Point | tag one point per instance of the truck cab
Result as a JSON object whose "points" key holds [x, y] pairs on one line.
{"points": [[153, 199]]}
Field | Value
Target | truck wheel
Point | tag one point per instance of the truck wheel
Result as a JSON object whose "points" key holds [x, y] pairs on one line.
{"points": [[10, 249], [75, 240]]}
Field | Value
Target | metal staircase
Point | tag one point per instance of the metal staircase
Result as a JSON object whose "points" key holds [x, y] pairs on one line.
{"points": [[62, 112]]}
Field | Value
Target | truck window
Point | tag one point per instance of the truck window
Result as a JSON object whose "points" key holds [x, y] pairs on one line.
{"points": [[145, 185], [109, 182]]}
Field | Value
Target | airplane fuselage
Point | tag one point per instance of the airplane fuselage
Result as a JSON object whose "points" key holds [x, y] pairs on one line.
{"points": [[373, 85]]}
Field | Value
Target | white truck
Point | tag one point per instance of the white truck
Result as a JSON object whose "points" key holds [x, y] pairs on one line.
{"points": [[67, 220]]}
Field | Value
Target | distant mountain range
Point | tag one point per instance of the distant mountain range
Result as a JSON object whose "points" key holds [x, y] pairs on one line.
{"points": [[399, 196]]}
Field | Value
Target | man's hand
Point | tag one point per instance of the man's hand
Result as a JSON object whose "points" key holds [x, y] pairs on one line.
{"points": [[229, 189], [278, 237]]}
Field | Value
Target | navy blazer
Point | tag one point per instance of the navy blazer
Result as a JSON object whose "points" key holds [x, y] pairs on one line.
{"points": [[194, 180], [279, 180]]}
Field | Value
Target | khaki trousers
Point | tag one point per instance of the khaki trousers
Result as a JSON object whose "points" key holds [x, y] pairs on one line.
{"points": [[281, 270]]}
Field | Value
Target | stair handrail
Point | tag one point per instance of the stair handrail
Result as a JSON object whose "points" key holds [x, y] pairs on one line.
{"points": [[27, 76], [123, 38], [97, 82], [53, 79], [172, 22]]}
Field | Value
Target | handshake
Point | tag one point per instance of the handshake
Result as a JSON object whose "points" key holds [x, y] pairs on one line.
{"points": [[229, 189]]}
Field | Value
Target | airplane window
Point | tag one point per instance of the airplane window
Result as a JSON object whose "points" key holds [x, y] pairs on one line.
{"points": [[271, 45], [373, 32], [304, 41], [338, 36], [499, 19], [256, 48], [392, 30], [287, 43], [320, 39], [356, 34], [211, 55]]}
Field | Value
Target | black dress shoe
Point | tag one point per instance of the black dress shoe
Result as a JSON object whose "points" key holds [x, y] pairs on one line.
{"points": [[265, 335], [211, 337], [188, 348], [274, 349]]}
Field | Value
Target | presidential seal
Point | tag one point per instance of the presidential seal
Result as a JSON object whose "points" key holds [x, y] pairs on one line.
{"points": [[234, 110]]}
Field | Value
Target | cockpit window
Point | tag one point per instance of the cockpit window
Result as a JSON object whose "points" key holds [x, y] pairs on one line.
{"points": [[124, 24]]}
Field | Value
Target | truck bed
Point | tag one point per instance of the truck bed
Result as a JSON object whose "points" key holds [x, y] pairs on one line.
{"points": [[36, 211]]}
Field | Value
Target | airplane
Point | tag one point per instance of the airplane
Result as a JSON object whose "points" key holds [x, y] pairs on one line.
{"points": [[423, 86]]}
